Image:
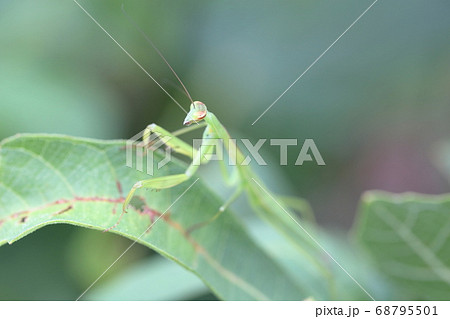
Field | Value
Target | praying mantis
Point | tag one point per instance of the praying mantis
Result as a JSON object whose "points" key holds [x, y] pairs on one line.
{"points": [[244, 179], [268, 206]]}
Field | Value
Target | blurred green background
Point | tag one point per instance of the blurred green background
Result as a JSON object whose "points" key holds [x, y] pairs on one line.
{"points": [[376, 105]]}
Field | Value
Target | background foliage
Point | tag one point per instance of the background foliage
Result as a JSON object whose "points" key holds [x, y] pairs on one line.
{"points": [[376, 106]]}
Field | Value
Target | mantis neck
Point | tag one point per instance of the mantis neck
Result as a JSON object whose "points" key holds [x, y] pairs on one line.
{"points": [[221, 133]]}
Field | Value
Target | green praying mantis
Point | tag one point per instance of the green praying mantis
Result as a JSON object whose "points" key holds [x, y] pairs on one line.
{"points": [[243, 178], [269, 207]]}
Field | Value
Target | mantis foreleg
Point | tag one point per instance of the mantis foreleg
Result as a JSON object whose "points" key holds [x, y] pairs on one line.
{"points": [[179, 146], [169, 139]]}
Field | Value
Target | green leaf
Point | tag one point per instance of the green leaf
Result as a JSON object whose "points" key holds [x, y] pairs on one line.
{"points": [[442, 158], [48, 179], [339, 286], [150, 279], [408, 236]]}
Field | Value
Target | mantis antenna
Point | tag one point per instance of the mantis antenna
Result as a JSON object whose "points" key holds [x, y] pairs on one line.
{"points": [[157, 51]]}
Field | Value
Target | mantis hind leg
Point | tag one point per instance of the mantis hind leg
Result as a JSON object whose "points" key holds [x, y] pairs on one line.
{"points": [[300, 205]]}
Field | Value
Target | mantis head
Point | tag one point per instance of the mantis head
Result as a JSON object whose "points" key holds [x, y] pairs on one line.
{"points": [[197, 113]]}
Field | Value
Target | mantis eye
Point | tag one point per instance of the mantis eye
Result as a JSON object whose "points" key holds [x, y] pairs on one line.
{"points": [[199, 115], [199, 106]]}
